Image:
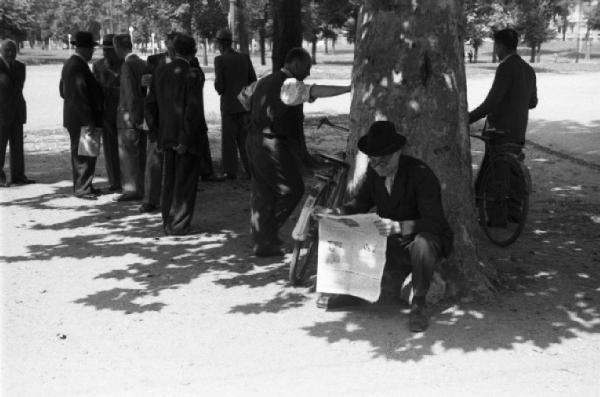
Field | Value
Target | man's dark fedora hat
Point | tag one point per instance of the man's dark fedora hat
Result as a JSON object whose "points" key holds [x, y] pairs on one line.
{"points": [[84, 39], [381, 140], [107, 41], [224, 35]]}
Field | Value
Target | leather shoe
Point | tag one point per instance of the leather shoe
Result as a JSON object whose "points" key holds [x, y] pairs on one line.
{"points": [[87, 196], [212, 178], [24, 181], [113, 189], [418, 320], [127, 197], [335, 301], [96, 191], [147, 207]]}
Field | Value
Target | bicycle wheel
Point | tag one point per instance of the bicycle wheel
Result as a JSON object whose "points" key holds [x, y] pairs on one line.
{"points": [[503, 200], [304, 256]]}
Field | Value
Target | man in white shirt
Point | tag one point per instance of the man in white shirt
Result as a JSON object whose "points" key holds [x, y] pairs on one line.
{"points": [[277, 184]]}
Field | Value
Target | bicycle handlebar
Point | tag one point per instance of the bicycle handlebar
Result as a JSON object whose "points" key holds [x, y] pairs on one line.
{"points": [[326, 121], [334, 159]]}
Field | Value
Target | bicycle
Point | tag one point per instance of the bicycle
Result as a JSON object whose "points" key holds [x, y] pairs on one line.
{"points": [[329, 191], [502, 189]]}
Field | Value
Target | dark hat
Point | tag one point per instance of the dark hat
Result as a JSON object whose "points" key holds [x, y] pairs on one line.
{"points": [[224, 35], [122, 41], [84, 39], [381, 140], [107, 41]]}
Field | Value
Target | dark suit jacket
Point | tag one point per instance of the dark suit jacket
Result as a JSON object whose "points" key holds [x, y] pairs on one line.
{"points": [[82, 95], [156, 60], [507, 104], [233, 71], [109, 78], [131, 93], [175, 106], [415, 201], [12, 102]]}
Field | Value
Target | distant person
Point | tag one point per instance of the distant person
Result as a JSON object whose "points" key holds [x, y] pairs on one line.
{"points": [[108, 73], [470, 56], [277, 184], [233, 71], [407, 197], [82, 110], [176, 103], [13, 114], [507, 106], [130, 121]]}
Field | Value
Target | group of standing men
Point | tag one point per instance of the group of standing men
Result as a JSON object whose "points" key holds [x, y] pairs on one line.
{"points": [[151, 114]]}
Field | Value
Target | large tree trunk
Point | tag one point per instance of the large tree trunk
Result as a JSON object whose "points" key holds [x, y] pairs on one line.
{"points": [[287, 34], [287, 29], [409, 69]]}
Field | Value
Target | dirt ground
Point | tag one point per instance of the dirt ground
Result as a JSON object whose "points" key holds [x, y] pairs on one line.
{"points": [[96, 301]]}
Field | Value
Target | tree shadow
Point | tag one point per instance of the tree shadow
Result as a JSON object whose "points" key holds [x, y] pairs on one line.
{"points": [[548, 286]]}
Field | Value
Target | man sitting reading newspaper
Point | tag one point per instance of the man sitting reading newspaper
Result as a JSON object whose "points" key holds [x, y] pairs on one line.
{"points": [[407, 198]]}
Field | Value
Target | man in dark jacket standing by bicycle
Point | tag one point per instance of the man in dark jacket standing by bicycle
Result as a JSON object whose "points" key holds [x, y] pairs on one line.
{"points": [[277, 184], [407, 198], [507, 105]]}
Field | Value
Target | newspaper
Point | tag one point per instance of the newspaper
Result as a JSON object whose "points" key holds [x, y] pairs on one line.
{"points": [[351, 256]]}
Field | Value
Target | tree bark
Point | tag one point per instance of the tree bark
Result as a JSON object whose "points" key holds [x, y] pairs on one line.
{"points": [[261, 44], [205, 50], [314, 50], [287, 29], [475, 53], [532, 54], [409, 69]]}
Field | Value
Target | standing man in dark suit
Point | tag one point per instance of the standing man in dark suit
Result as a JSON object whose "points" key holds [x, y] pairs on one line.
{"points": [[175, 102], [13, 113], [108, 74], [272, 147], [407, 198], [507, 106], [154, 155], [233, 71], [82, 110], [130, 120]]}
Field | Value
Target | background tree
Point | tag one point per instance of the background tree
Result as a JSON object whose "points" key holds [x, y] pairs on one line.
{"points": [[259, 22], [15, 21], [311, 29], [209, 18], [409, 69], [533, 22], [561, 15], [332, 15]]}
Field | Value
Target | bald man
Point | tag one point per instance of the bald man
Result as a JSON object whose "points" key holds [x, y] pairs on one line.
{"points": [[13, 113]]}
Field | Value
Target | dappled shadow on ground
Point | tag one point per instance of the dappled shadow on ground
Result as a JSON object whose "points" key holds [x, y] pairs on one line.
{"points": [[548, 281]]}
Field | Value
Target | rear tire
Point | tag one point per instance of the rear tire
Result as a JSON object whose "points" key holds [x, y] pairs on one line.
{"points": [[503, 210]]}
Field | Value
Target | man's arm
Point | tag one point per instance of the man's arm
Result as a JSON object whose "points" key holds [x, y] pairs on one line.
{"points": [[497, 92], [219, 78], [151, 109], [429, 204], [534, 98], [324, 91], [295, 92], [193, 116], [251, 72]]}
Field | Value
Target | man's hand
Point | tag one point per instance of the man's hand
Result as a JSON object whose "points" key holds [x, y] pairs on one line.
{"points": [[320, 211], [387, 226], [146, 80], [180, 149]]}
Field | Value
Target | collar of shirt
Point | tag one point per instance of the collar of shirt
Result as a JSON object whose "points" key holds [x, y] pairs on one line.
{"points": [[508, 56], [287, 73], [81, 57], [183, 59]]}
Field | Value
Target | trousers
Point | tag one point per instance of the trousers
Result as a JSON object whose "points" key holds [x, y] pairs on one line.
{"points": [[153, 176], [277, 186], [132, 159], [84, 167], [418, 257], [12, 134], [179, 186], [234, 130], [110, 144]]}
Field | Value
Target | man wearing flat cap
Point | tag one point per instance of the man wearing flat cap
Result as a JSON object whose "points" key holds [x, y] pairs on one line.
{"points": [[13, 113], [130, 120], [277, 185], [407, 198], [233, 71], [108, 73], [82, 111]]}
